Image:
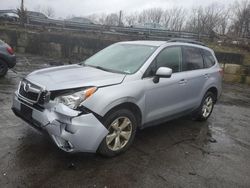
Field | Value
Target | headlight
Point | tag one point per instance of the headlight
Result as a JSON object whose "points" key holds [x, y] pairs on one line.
{"points": [[74, 100]]}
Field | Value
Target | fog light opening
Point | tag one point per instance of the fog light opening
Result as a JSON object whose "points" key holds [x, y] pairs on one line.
{"points": [[63, 144]]}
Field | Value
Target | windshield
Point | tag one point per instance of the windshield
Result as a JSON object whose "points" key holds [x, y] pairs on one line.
{"points": [[123, 58]]}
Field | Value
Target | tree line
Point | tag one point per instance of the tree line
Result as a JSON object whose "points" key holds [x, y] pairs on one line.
{"points": [[233, 19]]}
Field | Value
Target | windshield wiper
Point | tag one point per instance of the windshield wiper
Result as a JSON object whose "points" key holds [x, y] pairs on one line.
{"points": [[82, 63], [102, 68], [98, 67], [106, 69]]}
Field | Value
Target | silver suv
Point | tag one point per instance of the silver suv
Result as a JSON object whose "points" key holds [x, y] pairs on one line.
{"points": [[97, 105]]}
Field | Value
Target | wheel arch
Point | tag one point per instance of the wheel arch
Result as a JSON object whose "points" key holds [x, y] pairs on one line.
{"points": [[6, 67], [134, 108], [3, 59], [214, 90]]}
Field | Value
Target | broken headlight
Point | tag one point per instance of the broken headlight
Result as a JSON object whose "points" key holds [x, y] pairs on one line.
{"points": [[74, 100]]}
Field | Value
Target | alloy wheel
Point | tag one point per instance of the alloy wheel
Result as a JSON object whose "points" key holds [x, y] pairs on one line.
{"points": [[120, 132], [207, 107]]}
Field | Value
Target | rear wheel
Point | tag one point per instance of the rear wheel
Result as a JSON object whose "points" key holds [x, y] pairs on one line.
{"points": [[3, 68], [206, 107], [121, 125]]}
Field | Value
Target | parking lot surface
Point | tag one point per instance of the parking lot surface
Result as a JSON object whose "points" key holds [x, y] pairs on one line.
{"points": [[180, 153]]}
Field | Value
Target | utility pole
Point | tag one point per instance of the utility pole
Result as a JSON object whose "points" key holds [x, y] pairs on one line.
{"points": [[120, 18], [22, 6], [22, 13], [199, 34]]}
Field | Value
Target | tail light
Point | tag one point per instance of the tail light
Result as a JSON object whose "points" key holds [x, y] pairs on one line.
{"points": [[10, 50]]}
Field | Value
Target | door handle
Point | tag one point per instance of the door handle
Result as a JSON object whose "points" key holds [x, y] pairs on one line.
{"points": [[182, 81]]}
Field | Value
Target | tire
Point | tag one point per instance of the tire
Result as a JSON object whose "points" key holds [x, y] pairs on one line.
{"points": [[3, 68], [122, 126], [206, 107]]}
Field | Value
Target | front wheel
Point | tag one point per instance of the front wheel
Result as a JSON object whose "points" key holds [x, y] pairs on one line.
{"points": [[121, 125], [206, 107]]}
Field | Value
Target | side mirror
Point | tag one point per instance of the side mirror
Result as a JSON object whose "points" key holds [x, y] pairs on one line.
{"points": [[162, 72]]}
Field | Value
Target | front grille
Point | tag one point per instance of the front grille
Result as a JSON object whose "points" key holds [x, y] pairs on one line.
{"points": [[30, 92], [28, 95]]}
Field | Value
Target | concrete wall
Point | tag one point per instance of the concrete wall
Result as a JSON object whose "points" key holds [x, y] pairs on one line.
{"points": [[59, 44], [234, 73]]}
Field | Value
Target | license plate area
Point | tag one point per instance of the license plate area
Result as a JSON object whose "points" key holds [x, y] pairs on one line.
{"points": [[26, 112]]}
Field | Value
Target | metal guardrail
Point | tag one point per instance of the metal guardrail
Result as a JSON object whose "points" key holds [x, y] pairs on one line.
{"points": [[36, 20], [127, 30], [8, 11]]}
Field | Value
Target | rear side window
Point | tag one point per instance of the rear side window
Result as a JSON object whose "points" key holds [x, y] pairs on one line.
{"points": [[208, 59], [170, 57], [192, 58]]}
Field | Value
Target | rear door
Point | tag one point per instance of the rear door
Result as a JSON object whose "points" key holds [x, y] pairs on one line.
{"points": [[196, 74]]}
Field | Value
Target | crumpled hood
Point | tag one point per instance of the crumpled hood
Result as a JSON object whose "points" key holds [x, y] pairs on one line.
{"points": [[73, 76]]}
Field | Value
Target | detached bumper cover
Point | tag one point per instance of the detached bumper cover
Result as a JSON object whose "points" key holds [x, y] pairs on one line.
{"points": [[70, 131]]}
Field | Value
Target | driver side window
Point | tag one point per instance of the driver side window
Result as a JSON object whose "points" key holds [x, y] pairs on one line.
{"points": [[170, 57]]}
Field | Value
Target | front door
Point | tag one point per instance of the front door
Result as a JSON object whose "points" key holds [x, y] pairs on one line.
{"points": [[168, 97]]}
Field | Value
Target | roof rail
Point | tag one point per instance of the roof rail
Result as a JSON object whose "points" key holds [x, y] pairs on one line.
{"points": [[186, 41]]}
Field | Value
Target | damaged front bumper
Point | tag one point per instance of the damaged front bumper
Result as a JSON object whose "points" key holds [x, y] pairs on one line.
{"points": [[69, 129]]}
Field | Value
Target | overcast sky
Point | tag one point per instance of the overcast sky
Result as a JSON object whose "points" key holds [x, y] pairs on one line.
{"points": [[64, 8]]}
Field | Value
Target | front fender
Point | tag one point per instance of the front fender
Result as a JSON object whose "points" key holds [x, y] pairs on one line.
{"points": [[118, 102], [107, 98]]}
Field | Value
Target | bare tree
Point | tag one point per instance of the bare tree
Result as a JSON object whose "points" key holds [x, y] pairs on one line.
{"points": [[131, 19], [112, 19], [94, 18], [241, 18], [224, 21], [38, 8], [152, 15], [174, 19], [213, 15], [205, 19], [211, 19], [70, 16], [49, 11], [193, 22], [166, 17], [102, 19]]}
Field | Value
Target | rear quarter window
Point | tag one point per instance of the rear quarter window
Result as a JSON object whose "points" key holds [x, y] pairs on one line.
{"points": [[208, 59], [193, 59]]}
